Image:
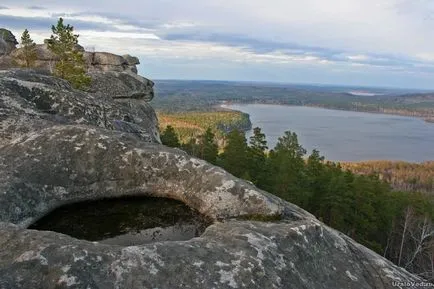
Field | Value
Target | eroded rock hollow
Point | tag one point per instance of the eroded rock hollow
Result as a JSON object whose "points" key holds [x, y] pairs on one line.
{"points": [[125, 221]]}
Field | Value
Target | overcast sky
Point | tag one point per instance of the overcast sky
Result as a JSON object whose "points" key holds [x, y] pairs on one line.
{"points": [[351, 42]]}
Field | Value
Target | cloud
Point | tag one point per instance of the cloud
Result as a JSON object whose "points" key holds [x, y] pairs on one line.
{"points": [[359, 57], [42, 23], [310, 36], [117, 35], [257, 45], [36, 8]]}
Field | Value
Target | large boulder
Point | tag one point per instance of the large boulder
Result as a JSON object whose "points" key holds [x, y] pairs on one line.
{"points": [[42, 53], [4, 48], [28, 95], [60, 146], [122, 85], [132, 60], [104, 61], [8, 41], [8, 36], [45, 59]]}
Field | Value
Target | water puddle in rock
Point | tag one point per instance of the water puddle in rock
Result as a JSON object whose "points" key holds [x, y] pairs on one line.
{"points": [[125, 221]]}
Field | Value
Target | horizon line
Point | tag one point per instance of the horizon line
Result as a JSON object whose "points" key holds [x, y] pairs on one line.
{"points": [[301, 83]]}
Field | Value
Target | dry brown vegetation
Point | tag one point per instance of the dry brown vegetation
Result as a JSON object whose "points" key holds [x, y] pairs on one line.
{"points": [[189, 125], [403, 176]]}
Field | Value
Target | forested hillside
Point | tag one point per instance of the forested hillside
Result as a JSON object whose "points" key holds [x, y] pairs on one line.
{"points": [[191, 124], [181, 96], [402, 176]]}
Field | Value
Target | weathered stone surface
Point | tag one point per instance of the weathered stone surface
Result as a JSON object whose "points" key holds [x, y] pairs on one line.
{"points": [[34, 99], [230, 254], [60, 146], [4, 47], [8, 41], [8, 36], [46, 60], [105, 58], [42, 53], [121, 85], [132, 60], [128, 166], [96, 61], [104, 61]]}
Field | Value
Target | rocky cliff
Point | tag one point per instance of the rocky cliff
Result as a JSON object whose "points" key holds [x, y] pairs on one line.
{"points": [[11, 57], [111, 74], [8, 42], [60, 146]]}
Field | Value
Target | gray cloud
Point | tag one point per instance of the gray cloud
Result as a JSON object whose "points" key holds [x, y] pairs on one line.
{"points": [[384, 36], [120, 19], [41, 23], [261, 46], [36, 8], [257, 45]]}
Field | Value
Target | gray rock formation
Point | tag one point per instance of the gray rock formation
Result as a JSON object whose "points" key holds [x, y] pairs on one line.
{"points": [[132, 60], [11, 57], [8, 41], [33, 100], [104, 61], [61, 146], [4, 48], [45, 59], [96, 61], [111, 74], [122, 85]]}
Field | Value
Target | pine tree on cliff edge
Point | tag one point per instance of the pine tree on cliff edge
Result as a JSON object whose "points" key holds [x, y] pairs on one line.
{"points": [[29, 49], [71, 65], [169, 137]]}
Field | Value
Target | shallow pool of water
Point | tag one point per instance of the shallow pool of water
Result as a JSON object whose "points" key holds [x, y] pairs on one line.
{"points": [[125, 221]]}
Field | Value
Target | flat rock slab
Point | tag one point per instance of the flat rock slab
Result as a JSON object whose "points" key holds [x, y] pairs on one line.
{"points": [[232, 254]]}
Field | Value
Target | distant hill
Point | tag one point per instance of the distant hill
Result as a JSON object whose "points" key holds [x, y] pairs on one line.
{"points": [[181, 96]]}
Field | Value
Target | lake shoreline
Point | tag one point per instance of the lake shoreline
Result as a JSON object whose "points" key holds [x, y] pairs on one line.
{"points": [[382, 138], [428, 119]]}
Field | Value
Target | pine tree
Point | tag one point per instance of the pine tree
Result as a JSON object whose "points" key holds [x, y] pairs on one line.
{"points": [[288, 169], [170, 138], [71, 65], [288, 143], [234, 159], [207, 147], [257, 157], [29, 49]]}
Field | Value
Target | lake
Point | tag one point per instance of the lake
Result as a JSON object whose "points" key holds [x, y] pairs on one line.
{"points": [[346, 135]]}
